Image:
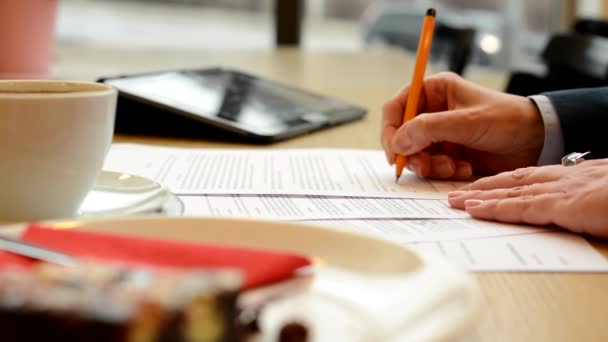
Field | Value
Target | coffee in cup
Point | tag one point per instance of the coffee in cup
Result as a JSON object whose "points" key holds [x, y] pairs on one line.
{"points": [[54, 136]]}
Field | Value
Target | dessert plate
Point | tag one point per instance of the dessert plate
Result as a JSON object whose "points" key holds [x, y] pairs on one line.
{"points": [[360, 288], [123, 194]]}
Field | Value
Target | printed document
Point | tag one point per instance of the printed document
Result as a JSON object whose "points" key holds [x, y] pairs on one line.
{"points": [[487, 246], [421, 231], [328, 172], [551, 251], [308, 207], [352, 190]]}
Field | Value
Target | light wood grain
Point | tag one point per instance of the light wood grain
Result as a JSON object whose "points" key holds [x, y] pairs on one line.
{"points": [[519, 306]]}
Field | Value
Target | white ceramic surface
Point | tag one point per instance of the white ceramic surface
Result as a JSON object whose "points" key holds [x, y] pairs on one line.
{"points": [[362, 289], [123, 194], [54, 136]]}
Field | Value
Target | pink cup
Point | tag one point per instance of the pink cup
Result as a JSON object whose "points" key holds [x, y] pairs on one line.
{"points": [[27, 30]]}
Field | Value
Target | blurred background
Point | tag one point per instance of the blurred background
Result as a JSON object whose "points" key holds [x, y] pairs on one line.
{"points": [[497, 34]]}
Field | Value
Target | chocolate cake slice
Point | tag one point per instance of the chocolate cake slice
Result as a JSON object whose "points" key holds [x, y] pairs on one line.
{"points": [[89, 302]]}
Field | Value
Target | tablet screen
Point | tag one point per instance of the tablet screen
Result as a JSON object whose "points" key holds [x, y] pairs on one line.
{"points": [[242, 100]]}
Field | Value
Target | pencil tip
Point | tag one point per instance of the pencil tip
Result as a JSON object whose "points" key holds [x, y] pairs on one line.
{"points": [[396, 179], [431, 11]]}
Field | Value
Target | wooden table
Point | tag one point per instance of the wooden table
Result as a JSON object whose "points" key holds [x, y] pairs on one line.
{"points": [[519, 306]]}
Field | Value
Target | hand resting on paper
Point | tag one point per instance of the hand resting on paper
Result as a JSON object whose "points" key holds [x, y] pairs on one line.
{"points": [[575, 198]]}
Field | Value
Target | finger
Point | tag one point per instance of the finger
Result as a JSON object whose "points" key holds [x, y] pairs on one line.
{"points": [[393, 109], [538, 210], [434, 96], [453, 150], [464, 170], [386, 138], [457, 199], [392, 119], [425, 165], [442, 166], [434, 89], [519, 177], [391, 122], [392, 114], [455, 126], [420, 164]]}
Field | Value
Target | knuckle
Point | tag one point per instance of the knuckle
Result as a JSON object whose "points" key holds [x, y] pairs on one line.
{"points": [[474, 116], [526, 199], [523, 173], [540, 209], [525, 205], [517, 191], [592, 163], [516, 211], [571, 177], [448, 76]]}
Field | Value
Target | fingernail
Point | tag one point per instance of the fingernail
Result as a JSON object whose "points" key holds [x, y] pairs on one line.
{"points": [[472, 203], [456, 194], [401, 143]]}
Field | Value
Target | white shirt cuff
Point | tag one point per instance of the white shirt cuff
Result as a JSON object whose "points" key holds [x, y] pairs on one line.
{"points": [[553, 147]]}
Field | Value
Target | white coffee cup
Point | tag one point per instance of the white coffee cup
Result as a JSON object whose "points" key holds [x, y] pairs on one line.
{"points": [[54, 136]]}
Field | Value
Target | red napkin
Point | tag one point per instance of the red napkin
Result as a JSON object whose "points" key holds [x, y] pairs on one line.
{"points": [[259, 267]]}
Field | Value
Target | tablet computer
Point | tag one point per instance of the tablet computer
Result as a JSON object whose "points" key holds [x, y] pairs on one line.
{"points": [[232, 103]]}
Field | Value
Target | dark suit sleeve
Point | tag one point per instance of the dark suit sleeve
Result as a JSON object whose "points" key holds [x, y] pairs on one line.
{"points": [[583, 116]]}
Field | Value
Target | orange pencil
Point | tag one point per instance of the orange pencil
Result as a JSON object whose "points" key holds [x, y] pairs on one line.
{"points": [[413, 97]]}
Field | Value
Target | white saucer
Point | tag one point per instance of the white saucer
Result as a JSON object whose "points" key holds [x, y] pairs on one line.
{"points": [[122, 194]]}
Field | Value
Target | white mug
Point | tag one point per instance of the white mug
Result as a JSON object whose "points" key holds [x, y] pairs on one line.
{"points": [[54, 137]]}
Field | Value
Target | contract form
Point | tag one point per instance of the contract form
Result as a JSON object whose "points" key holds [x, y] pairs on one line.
{"points": [[328, 172], [355, 191]]}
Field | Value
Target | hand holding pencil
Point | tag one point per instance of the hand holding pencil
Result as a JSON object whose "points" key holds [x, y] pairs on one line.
{"points": [[422, 56], [451, 128]]}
